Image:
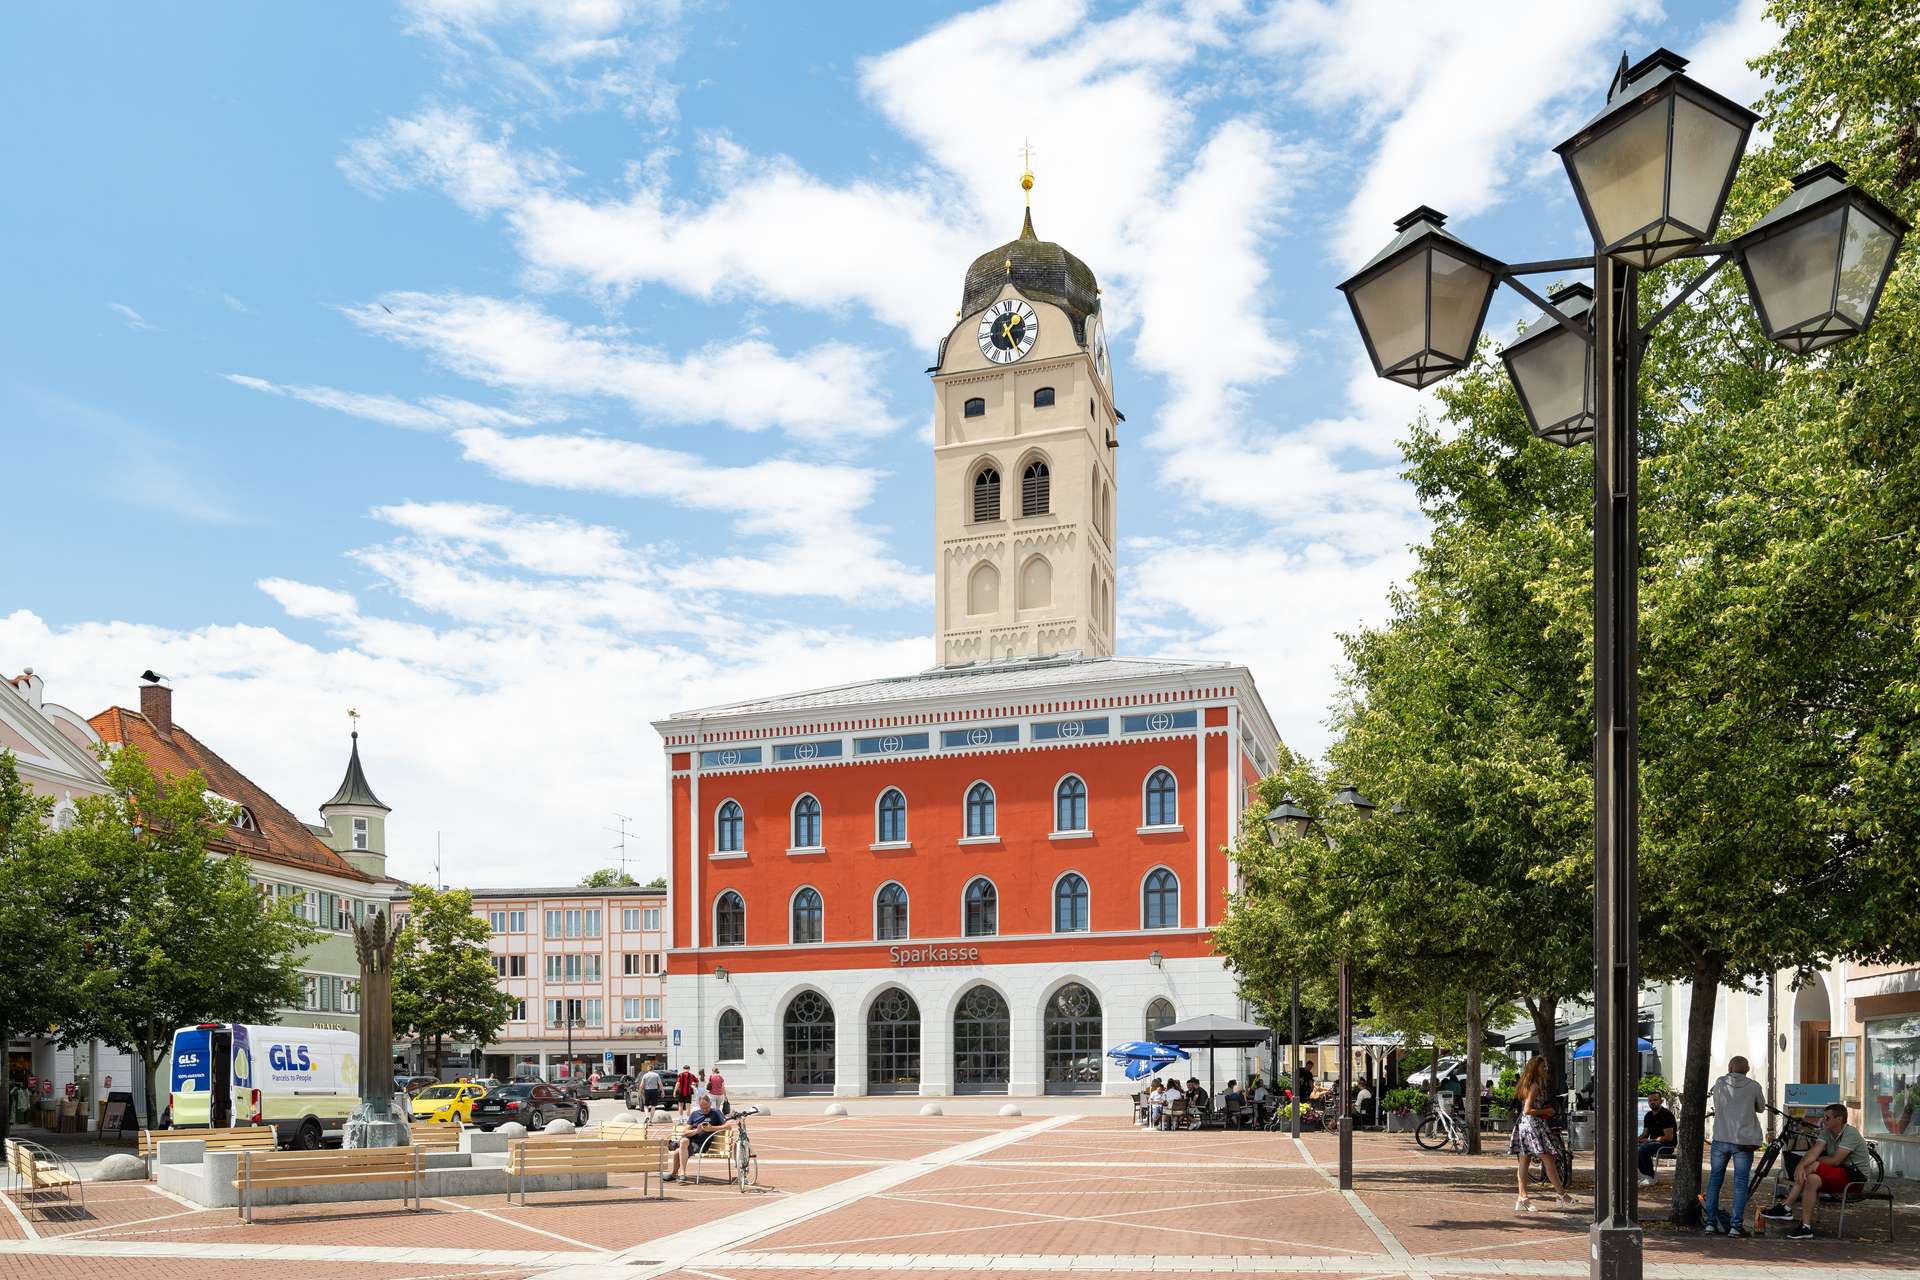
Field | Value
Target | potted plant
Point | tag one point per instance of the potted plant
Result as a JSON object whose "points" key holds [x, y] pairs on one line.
{"points": [[1402, 1107]]}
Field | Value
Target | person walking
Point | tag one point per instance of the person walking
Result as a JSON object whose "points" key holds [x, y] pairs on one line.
{"points": [[717, 1090], [1532, 1140], [683, 1090], [1737, 1101], [650, 1090]]}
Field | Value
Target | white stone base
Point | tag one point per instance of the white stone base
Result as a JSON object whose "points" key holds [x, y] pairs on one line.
{"points": [[1123, 987]]}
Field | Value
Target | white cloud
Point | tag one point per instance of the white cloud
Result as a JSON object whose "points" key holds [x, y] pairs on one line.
{"points": [[445, 148], [1455, 100], [1718, 56], [304, 600], [437, 413], [133, 318], [821, 394]]}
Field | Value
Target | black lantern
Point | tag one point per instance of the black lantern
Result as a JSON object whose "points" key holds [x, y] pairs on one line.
{"points": [[1816, 264], [1350, 798], [1652, 170], [1552, 370], [1287, 818], [1421, 301]]}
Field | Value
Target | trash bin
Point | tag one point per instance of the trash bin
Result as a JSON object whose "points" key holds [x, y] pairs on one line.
{"points": [[1580, 1131]]}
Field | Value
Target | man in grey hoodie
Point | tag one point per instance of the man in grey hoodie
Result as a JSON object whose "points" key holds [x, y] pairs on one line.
{"points": [[1736, 1101]]}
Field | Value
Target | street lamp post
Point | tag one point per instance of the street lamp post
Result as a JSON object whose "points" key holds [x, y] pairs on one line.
{"points": [[1288, 815], [1652, 171]]}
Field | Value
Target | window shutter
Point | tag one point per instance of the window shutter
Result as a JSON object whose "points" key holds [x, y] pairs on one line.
{"points": [[1035, 490]]}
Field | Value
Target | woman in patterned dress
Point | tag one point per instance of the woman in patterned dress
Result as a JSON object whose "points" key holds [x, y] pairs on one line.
{"points": [[1532, 1140]]}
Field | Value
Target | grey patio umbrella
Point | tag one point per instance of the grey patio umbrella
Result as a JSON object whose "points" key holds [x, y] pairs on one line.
{"points": [[1212, 1031]]}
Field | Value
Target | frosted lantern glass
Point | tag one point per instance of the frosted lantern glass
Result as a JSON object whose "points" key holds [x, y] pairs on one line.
{"points": [[1705, 149], [1553, 379], [1393, 311], [1459, 297], [1793, 272], [1623, 174], [1863, 261]]}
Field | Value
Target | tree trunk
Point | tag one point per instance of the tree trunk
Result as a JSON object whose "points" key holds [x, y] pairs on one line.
{"points": [[1543, 1008], [439, 1054], [151, 1061], [1691, 1131], [1471, 1096]]}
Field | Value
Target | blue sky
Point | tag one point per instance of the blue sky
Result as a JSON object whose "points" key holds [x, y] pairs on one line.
{"points": [[519, 373]]}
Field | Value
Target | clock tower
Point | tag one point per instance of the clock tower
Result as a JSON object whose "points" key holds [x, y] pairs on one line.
{"points": [[1025, 441]]}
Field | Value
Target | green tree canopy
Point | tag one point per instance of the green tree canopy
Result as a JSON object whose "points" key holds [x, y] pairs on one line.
{"points": [[607, 878]]}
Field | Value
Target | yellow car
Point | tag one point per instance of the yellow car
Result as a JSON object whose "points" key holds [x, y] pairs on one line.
{"points": [[446, 1103]]}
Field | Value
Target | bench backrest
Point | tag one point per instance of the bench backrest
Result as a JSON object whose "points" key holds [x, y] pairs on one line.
{"points": [[20, 1160], [291, 1165], [435, 1137], [559, 1155], [258, 1137]]}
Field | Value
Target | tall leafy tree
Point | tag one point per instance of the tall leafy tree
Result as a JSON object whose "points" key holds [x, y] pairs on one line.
{"points": [[444, 984], [40, 947], [607, 878], [174, 936]]}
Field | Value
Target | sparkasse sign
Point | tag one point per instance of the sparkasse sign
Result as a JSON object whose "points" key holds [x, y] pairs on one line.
{"points": [[932, 955]]}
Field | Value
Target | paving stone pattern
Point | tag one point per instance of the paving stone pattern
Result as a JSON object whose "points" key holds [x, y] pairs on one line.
{"points": [[867, 1197]]}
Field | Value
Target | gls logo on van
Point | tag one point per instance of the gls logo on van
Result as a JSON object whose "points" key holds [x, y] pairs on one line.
{"points": [[282, 1057], [189, 1059]]}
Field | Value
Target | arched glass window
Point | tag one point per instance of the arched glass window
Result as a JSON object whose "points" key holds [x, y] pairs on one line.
{"points": [[982, 1042], [893, 1043], [807, 916], [890, 913], [986, 494], [1070, 903], [1160, 900], [806, 823], [1159, 1014], [730, 920], [1043, 397], [807, 1043], [974, 408], [1070, 1036], [732, 1037], [729, 829], [982, 908], [1036, 488], [1163, 799], [890, 818], [1070, 805], [980, 810]]}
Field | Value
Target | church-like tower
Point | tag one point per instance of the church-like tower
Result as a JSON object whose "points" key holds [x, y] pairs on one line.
{"points": [[1024, 461], [356, 820]]}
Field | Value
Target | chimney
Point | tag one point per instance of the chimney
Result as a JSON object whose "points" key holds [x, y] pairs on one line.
{"points": [[156, 704]]}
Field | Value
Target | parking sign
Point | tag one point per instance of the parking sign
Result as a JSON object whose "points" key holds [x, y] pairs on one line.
{"points": [[676, 1037]]}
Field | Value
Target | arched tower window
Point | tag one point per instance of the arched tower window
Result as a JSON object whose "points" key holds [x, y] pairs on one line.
{"points": [[986, 494], [1036, 489], [1036, 583], [983, 589]]}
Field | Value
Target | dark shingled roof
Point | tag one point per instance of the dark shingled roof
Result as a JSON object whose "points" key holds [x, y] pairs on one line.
{"points": [[353, 787], [1040, 270]]}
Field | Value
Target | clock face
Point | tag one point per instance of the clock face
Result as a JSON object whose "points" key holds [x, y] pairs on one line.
{"points": [[1098, 342], [1008, 330]]}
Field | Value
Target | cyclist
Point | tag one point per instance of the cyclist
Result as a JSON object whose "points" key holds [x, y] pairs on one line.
{"points": [[1532, 1140], [1840, 1158]]}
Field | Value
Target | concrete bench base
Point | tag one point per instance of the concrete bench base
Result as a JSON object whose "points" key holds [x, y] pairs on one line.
{"points": [[209, 1182]]}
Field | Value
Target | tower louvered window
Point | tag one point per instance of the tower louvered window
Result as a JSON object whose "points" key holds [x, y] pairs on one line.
{"points": [[1036, 489], [986, 495]]}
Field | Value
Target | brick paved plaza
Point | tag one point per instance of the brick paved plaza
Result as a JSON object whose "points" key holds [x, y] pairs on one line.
{"points": [[863, 1197]]}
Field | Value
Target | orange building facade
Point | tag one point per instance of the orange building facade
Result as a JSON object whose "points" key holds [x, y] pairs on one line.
{"points": [[970, 880]]}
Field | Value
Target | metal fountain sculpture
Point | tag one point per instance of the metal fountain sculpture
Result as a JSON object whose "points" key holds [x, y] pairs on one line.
{"points": [[381, 1118]]}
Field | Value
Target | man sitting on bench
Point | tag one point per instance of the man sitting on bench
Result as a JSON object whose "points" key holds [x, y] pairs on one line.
{"points": [[703, 1123], [1838, 1158]]}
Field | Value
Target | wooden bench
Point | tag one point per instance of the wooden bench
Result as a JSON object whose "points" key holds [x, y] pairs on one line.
{"points": [[246, 1137], [535, 1157], [263, 1169], [435, 1136], [39, 1175]]}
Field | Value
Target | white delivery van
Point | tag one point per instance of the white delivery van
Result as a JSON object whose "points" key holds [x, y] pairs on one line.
{"points": [[304, 1082]]}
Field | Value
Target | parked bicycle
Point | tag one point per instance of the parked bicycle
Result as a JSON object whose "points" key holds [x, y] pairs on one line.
{"points": [[745, 1168], [1438, 1128]]}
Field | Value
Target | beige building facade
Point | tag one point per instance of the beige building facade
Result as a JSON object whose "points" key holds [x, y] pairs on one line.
{"points": [[1024, 462]]}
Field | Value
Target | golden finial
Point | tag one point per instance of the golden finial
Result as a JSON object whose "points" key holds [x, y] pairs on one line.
{"points": [[1026, 164], [353, 718]]}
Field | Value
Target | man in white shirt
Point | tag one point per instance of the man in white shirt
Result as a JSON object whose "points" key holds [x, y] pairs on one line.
{"points": [[1156, 1102], [1736, 1101]]}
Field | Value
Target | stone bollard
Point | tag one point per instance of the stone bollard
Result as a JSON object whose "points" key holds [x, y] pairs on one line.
{"points": [[931, 1109], [1010, 1109]]}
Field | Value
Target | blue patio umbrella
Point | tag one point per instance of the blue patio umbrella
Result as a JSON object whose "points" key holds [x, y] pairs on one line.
{"points": [[1143, 1057], [1642, 1045]]}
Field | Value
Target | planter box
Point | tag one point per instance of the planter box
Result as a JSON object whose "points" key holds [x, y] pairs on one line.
{"points": [[1402, 1122]]}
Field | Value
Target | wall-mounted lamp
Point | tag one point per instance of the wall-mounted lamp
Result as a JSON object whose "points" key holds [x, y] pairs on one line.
{"points": [[720, 972], [1155, 959]]}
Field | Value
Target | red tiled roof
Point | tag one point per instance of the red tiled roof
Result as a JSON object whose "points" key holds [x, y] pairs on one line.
{"points": [[281, 837]]}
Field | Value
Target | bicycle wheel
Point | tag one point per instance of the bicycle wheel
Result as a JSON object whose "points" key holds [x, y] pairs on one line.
{"points": [[1432, 1133], [743, 1164], [1762, 1170]]}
